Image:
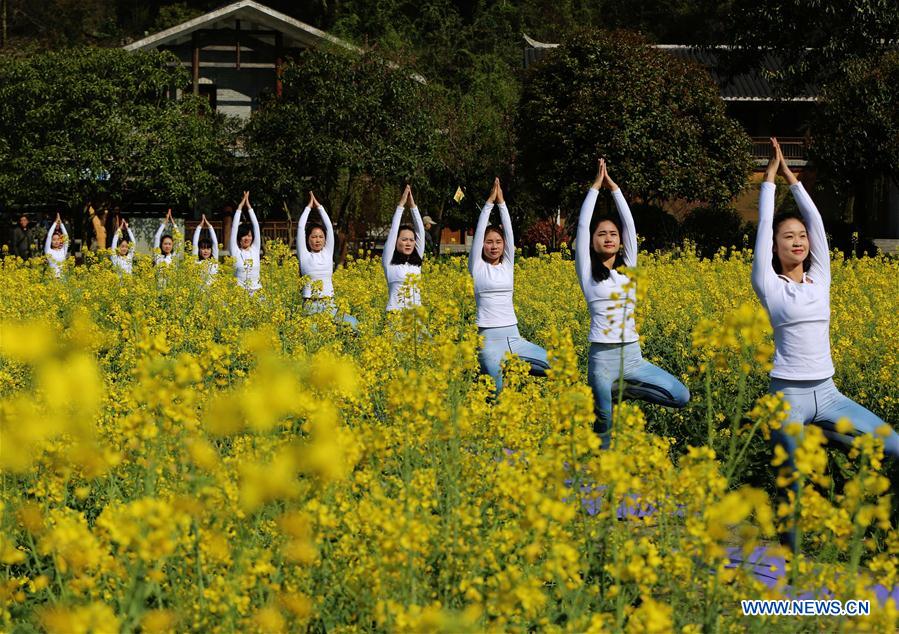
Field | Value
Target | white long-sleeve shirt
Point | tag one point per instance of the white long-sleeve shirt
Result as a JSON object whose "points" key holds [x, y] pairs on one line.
{"points": [[611, 306], [396, 273], [799, 313], [317, 266], [123, 262], [55, 257], [246, 261], [161, 258], [493, 283], [210, 266]]}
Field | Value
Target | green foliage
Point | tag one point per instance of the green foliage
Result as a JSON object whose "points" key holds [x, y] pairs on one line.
{"points": [[174, 14], [344, 124], [88, 124], [711, 229], [856, 129], [62, 22], [669, 21], [658, 229], [476, 142], [657, 119], [812, 40]]}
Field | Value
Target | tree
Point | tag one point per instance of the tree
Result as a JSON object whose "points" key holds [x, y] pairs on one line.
{"points": [[345, 126], [812, 41], [89, 124], [856, 130], [658, 120], [857, 123], [844, 52], [62, 22], [668, 21], [475, 144]]}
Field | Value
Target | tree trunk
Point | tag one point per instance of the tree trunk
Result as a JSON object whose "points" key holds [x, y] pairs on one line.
{"points": [[342, 237], [849, 209], [439, 226], [3, 12]]}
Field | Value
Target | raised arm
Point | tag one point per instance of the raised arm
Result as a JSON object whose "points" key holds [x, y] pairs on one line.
{"points": [[195, 241], [419, 232], [215, 243], [628, 229], [115, 241], [232, 239], [157, 237], [820, 252], [48, 243], [477, 244], [257, 237], [302, 247], [390, 243], [509, 238], [763, 275], [65, 242], [329, 232], [583, 238]]}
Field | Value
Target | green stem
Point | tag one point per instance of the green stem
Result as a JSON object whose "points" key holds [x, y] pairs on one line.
{"points": [[797, 530], [709, 419], [733, 466], [736, 417]]}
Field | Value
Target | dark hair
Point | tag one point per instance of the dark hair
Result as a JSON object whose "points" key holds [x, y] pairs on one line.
{"points": [[242, 230], [600, 271], [203, 243], [400, 258], [779, 218], [495, 229], [163, 238], [312, 226]]}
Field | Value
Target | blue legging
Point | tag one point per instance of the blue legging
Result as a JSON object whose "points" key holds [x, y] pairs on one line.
{"points": [[820, 403], [498, 342], [642, 380]]}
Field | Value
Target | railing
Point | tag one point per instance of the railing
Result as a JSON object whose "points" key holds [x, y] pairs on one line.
{"points": [[795, 150]]}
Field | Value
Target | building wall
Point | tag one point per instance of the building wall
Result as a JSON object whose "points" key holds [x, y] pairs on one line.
{"points": [[238, 92]]}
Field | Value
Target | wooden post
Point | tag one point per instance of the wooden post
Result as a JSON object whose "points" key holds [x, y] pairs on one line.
{"points": [[237, 28], [195, 66], [279, 42]]}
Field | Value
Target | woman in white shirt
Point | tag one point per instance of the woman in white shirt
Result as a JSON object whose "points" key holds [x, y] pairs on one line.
{"points": [[56, 246], [492, 266], [123, 248], [603, 245], [404, 250], [246, 247], [206, 250], [315, 251], [164, 242], [791, 276]]}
